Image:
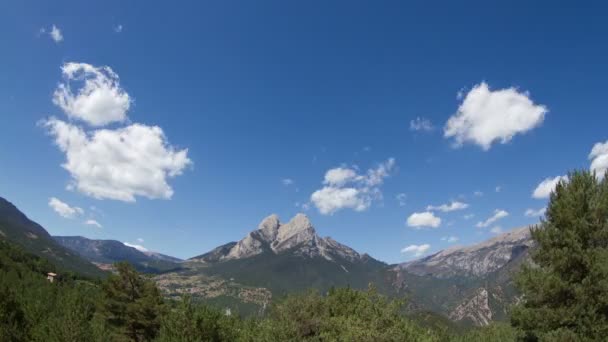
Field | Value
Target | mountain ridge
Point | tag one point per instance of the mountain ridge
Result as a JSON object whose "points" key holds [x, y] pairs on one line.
{"points": [[106, 252], [17, 228]]}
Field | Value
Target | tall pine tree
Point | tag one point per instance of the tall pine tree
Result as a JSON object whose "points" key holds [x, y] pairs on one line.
{"points": [[132, 305], [565, 288]]}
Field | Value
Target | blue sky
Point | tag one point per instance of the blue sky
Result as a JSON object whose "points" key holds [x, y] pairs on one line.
{"points": [[260, 92]]}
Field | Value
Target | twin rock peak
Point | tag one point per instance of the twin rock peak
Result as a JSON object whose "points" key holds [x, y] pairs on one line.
{"points": [[297, 236]]}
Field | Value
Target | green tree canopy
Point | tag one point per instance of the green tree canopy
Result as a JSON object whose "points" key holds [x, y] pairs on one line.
{"points": [[565, 288], [132, 305]]}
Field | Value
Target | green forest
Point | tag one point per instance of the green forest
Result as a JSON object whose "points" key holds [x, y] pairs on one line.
{"points": [[564, 296]]}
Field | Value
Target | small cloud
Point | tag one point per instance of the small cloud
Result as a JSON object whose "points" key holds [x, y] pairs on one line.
{"points": [[450, 239], [544, 189], [401, 199], [348, 188], [535, 213], [138, 247], [416, 250], [478, 193], [498, 214], [287, 181], [599, 158], [55, 34], [468, 216], [423, 219], [93, 223], [421, 124], [498, 188], [117, 28], [64, 209], [140, 240], [453, 206], [496, 230]]}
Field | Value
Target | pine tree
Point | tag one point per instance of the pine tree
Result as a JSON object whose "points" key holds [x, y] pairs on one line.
{"points": [[565, 288], [132, 305]]}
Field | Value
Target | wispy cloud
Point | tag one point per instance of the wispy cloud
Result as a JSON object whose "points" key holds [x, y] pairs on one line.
{"points": [[498, 214]]}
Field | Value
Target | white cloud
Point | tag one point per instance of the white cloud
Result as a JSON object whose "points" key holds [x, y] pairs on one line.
{"points": [[421, 124], [468, 216], [544, 189], [599, 158], [98, 101], [416, 250], [535, 212], [450, 239], [138, 247], [423, 219], [330, 199], [498, 214], [287, 181], [453, 206], [401, 199], [55, 34], [119, 164], [340, 176], [140, 240], [93, 223], [118, 28], [487, 116], [478, 193], [345, 188], [64, 209], [496, 230]]}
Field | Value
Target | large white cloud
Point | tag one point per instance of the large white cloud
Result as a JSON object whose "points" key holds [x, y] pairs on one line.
{"points": [[64, 209], [423, 219], [416, 250], [544, 189], [599, 158], [119, 164], [453, 206], [498, 214], [97, 97], [345, 188], [487, 116]]}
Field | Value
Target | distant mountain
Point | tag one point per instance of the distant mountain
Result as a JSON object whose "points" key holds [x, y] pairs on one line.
{"points": [[107, 252], [15, 227], [298, 236], [470, 284], [274, 259], [473, 261]]}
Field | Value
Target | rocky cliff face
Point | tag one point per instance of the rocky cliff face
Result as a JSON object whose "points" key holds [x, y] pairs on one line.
{"points": [[476, 309], [297, 236], [474, 261], [468, 284]]}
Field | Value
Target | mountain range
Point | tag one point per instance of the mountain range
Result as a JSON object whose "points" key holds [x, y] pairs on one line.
{"points": [[471, 285], [104, 253]]}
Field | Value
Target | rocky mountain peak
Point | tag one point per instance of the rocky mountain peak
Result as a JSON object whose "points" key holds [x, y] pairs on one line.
{"points": [[298, 236], [269, 227], [476, 260], [298, 230]]}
